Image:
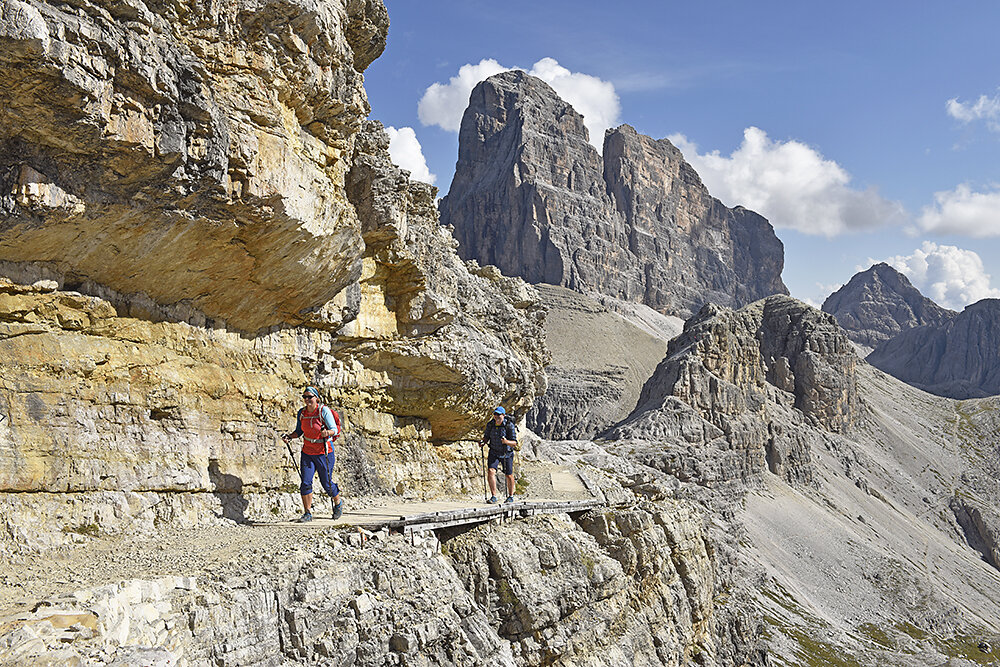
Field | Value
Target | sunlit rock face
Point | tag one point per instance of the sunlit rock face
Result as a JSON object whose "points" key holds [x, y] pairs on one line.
{"points": [[198, 221], [533, 197], [740, 387], [99, 400], [192, 154]]}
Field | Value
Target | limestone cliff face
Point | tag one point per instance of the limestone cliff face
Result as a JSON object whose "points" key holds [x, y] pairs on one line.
{"points": [[957, 358], [197, 222], [692, 249], [643, 579], [96, 401], [628, 586], [879, 303], [191, 155], [729, 384], [533, 197]]}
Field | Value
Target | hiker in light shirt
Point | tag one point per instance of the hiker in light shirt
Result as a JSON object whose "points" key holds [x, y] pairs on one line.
{"points": [[319, 426]]}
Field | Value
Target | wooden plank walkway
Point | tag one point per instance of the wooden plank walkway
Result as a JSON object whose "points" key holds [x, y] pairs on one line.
{"points": [[400, 515]]}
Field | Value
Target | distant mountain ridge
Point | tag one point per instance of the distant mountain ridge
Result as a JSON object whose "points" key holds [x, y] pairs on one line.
{"points": [[958, 359], [533, 197], [878, 304], [917, 341]]}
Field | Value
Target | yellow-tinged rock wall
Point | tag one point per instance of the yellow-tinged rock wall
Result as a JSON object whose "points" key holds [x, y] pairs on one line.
{"points": [[100, 402], [197, 221], [192, 154]]}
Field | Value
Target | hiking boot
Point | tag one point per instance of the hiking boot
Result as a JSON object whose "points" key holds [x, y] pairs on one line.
{"points": [[510, 499], [493, 500], [338, 510], [305, 518]]}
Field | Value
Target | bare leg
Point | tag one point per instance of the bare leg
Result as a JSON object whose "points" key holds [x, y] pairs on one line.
{"points": [[307, 502], [491, 477], [510, 485]]}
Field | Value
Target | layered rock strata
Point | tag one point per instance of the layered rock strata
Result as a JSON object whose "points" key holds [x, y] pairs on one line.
{"points": [[98, 402], [200, 222], [574, 593], [193, 156], [633, 584], [532, 196], [877, 304], [741, 384], [849, 511], [957, 358]]}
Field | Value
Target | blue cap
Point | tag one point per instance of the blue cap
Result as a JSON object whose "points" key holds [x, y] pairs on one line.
{"points": [[311, 390], [499, 410]]}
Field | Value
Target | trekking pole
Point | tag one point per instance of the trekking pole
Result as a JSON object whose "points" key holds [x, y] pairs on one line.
{"points": [[510, 492], [506, 480], [291, 455], [483, 456]]}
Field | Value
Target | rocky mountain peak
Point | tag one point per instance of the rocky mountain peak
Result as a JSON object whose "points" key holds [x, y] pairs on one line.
{"points": [[781, 342], [879, 303], [533, 197], [745, 389], [957, 358]]}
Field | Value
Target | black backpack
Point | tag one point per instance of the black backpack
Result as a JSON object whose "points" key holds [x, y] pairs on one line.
{"points": [[513, 428]]}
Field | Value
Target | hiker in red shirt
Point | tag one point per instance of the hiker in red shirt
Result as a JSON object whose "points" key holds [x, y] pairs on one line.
{"points": [[319, 426]]}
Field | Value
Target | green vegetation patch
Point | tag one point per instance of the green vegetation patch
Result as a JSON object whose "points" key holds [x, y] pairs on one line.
{"points": [[589, 563], [876, 634], [966, 648], [966, 431], [506, 593], [812, 651]]}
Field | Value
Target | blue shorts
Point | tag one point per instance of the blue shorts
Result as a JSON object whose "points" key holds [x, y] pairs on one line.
{"points": [[493, 461], [322, 464]]}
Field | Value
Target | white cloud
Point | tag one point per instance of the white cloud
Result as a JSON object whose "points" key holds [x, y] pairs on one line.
{"points": [[962, 211], [811, 302], [828, 289], [443, 104], [791, 184], [405, 152], [985, 108], [951, 276]]}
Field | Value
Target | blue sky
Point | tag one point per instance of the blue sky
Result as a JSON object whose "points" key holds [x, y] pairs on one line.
{"points": [[863, 131]]}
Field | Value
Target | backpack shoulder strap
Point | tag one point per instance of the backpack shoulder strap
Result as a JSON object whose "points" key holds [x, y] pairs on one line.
{"points": [[336, 418]]}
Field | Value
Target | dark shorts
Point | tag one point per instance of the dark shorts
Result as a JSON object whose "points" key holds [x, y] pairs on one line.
{"points": [[322, 464], [494, 460]]}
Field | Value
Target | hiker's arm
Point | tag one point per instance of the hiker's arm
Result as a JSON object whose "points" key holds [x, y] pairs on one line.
{"points": [[329, 422], [511, 440]]}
